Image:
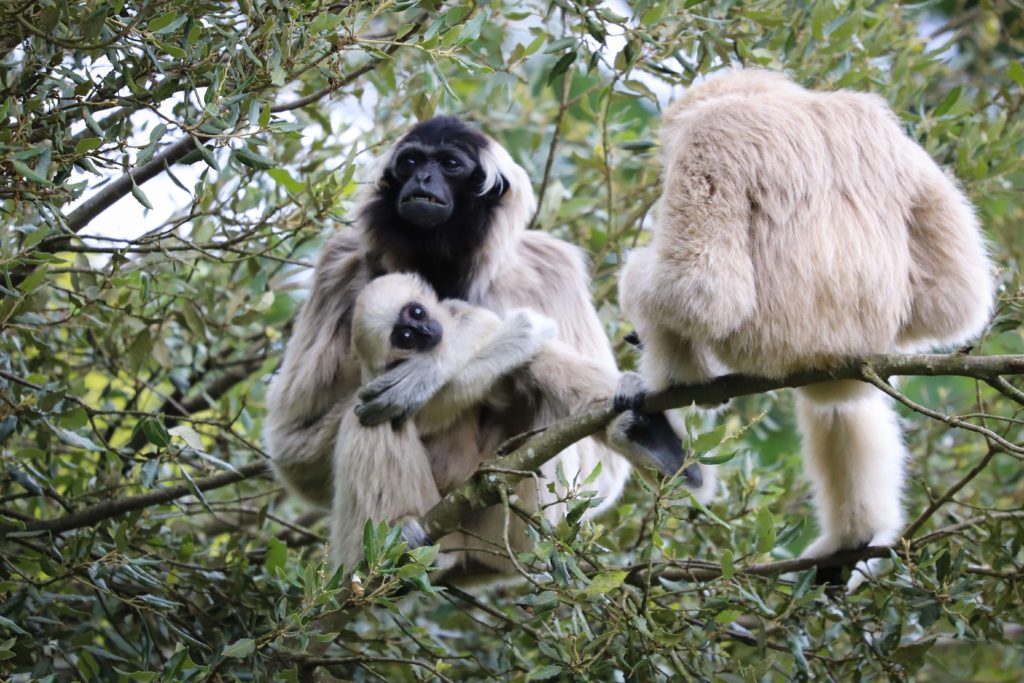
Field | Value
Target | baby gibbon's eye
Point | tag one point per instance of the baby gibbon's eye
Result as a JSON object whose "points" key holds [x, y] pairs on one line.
{"points": [[417, 312], [405, 339]]}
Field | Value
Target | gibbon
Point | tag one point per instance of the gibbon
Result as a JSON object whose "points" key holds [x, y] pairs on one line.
{"points": [[797, 229], [389, 472], [450, 205]]}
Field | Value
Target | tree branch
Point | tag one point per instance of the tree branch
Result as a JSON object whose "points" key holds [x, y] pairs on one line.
{"points": [[113, 508], [500, 473], [484, 488], [105, 198]]}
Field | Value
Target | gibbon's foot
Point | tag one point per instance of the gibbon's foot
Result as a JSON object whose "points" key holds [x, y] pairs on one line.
{"points": [[833, 576], [413, 533], [649, 441], [629, 393]]}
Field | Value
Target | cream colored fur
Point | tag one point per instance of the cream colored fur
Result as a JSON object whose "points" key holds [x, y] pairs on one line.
{"points": [[389, 470], [797, 229]]}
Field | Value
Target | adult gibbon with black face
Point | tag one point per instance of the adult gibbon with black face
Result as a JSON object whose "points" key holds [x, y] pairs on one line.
{"points": [[391, 474], [451, 206], [797, 229]]}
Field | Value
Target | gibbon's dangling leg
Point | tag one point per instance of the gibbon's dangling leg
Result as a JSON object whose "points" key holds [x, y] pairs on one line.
{"points": [[798, 229], [386, 477], [854, 455]]}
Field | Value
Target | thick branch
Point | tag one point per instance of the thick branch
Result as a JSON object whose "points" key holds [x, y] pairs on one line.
{"points": [[485, 486], [113, 508], [105, 198]]}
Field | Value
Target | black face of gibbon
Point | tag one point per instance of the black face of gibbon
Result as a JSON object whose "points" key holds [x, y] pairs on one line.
{"points": [[415, 329], [429, 214]]}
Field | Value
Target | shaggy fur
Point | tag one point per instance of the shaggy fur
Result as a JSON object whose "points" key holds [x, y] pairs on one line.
{"points": [[797, 229]]}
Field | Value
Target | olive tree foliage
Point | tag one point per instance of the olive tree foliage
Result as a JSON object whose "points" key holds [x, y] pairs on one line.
{"points": [[140, 535]]}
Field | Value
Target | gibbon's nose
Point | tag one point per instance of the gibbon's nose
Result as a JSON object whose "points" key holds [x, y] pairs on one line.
{"points": [[431, 333]]}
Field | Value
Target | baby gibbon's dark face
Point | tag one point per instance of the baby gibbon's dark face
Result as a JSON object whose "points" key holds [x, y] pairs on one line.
{"points": [[415, 330]]}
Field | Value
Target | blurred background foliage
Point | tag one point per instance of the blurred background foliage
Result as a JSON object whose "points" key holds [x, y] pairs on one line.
{"points": [[140, 538]]}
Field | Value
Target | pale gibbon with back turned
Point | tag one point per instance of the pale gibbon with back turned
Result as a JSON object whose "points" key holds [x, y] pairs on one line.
{"points": [[391, 474], [450, 205], [797, 229]]}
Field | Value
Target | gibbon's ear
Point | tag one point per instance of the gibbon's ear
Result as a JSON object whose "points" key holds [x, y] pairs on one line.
{"points": [[498, 190]]}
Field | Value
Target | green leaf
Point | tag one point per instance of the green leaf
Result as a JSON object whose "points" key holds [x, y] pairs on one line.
{"points": [[207, 155], [172, 50], [253, 159], [1016, 72], [722, 457], [283, 177], [188, 435], [948, 102], [139, 676], [324, 22], [703, 508], [11, 626], [28, 173], [240, 649], [155, 433], [604, 583], [562, 65], [559, 45], [162, 21], [728, 566], [277, 555], [638, 145], [74, 439], [7, 427], [544, 673], [86, 145], [708, 440], [141, 197], [765, 526], [728, 616]]}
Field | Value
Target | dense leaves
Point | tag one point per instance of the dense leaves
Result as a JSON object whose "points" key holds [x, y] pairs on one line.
{"points": [[167, 170]]}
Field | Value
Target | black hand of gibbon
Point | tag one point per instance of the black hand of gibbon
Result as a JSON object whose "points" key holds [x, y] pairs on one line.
{"points": [[654, 433]]}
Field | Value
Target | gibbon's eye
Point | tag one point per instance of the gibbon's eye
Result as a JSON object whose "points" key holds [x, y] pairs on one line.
{"points": [[417, 312], [407, 161], [405, 338], [451, 164]]}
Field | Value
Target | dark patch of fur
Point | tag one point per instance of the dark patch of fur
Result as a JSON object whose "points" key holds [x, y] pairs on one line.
{"points": [[444, 254]]}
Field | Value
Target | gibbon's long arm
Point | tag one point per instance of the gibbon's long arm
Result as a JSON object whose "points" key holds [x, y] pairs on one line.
{"points": [[484, 349]]}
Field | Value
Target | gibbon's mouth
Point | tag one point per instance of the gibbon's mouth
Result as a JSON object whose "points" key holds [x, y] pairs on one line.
{"points": [[423, 198]]}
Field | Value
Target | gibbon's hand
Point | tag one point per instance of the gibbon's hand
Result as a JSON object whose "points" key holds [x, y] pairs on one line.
{"points": [[649, 442], [400, 392], [629, 393]]}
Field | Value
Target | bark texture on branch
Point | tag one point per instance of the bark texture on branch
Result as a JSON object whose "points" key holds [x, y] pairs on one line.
{"points": [[484, 488]]}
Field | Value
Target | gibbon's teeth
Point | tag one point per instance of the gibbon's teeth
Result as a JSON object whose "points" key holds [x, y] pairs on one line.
{"points": [[423, 198]]}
